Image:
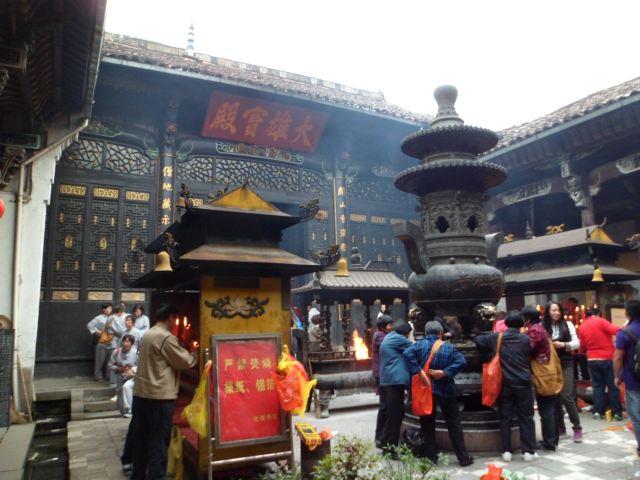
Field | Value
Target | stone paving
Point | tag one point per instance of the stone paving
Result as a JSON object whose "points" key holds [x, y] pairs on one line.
{"points": [[95, 447]]}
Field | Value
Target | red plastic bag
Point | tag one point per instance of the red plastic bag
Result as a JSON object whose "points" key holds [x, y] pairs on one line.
{"points": [[421, 393], [492, 378], [288, 388], [494, 473]]}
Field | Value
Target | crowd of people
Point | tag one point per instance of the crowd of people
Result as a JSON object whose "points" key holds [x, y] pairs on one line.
{"points": [[536, 353], [117, 336], [536, 360], [142, 362]]}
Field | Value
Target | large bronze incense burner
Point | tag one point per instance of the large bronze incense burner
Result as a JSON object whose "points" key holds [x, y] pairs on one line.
{"points": [[451, 253]]}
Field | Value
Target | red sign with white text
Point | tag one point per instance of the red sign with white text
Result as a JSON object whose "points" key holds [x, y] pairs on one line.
{"points": [[248, 403], [244, 119]]}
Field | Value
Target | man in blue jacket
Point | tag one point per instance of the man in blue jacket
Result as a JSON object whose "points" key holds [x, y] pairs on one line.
{"points": [[394, 380], [446, 363]]}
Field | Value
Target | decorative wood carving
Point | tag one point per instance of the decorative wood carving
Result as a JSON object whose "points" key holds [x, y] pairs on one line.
{"points": [[246, 307]]}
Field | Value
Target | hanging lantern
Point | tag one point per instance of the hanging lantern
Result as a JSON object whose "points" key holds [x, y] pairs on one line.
{"points": [[1, 207]]}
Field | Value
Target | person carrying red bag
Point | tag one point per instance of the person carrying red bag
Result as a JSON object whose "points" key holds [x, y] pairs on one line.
{"points": [[446, 362], [516, 395]]}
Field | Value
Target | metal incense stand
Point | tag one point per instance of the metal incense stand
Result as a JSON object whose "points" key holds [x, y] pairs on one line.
{"points": [[222, 265], [452, 257]]}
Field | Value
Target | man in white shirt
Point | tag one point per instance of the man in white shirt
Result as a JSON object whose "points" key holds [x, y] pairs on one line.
{"points": [[102, 350]]}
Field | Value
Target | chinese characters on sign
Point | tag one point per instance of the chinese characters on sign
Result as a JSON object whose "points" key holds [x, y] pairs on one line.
{"points": [[244, 119], [167, 188], [248, 403]]}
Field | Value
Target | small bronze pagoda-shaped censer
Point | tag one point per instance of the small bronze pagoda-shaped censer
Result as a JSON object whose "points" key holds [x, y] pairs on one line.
{"points": [[452, 256]]}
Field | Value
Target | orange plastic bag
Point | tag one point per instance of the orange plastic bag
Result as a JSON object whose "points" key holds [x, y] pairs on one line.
{"points": [[293, 384], [288, 388], [494, 473], [492, 378], [421, 393]]}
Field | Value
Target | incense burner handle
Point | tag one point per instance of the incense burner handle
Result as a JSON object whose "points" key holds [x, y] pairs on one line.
{"points": [[413, 240], [493, 242]]}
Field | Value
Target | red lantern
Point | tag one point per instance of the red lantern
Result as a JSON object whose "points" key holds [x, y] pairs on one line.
{"points": [[1, 208]]}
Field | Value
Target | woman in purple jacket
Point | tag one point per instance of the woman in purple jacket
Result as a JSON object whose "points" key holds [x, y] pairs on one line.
{"points": [[383, 327]]}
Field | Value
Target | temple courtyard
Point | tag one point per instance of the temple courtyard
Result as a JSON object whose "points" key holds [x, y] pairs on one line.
{"points": [[606, 453]]}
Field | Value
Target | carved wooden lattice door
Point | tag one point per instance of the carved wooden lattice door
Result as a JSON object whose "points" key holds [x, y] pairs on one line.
{"points": [[99, 222]]}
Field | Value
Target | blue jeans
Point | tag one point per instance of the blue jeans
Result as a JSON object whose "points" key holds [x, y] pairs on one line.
{"points": [[602, 379], [633, 410]]}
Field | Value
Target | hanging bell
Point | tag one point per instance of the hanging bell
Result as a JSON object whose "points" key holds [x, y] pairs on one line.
{"points": [[343, 269], [597, 275], [163, 262], [180, 203]]}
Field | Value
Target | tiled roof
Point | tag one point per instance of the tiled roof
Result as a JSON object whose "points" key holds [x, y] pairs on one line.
{"points": [[142, 51], [558, 241], [569, 112], [573, 272], [357, 279]]}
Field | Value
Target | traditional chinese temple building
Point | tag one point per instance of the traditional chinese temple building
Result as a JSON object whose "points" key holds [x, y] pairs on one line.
{"points": [[49, 57], [575, 168], [165, 116]]}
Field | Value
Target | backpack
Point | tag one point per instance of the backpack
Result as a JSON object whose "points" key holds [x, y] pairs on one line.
{"points": [[636, 352], [547, 377]]}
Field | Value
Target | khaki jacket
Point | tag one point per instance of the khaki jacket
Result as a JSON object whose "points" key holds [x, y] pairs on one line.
{"points": [[160, 357]]}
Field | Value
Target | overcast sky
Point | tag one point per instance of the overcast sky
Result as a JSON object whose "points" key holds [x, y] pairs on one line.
{"points": [[512, 61]]}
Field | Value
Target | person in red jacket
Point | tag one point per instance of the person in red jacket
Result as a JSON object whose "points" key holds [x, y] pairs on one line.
{"points": [[596, 339]]}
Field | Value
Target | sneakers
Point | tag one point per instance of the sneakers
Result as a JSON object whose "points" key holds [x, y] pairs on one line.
{"points": [[114, 398], [126, 413], [127, 468], [577, 436], [465, 462], [506, 457], [617, 417], [530, 457], [597, 416], [562, 431]]}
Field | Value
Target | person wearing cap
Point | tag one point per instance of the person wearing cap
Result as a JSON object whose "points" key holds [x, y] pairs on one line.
{"points": [[445, 364], [314, 331]]}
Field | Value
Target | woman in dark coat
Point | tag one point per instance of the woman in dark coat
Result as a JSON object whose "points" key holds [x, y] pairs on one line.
{"points": [[383, 327]]}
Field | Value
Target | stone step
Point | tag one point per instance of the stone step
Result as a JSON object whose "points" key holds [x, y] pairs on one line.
{"points": [[99, 406], [105, 414], [99, 393]]}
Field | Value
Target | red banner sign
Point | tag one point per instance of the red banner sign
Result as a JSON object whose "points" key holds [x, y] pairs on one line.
{"points": [[244, 119], [248, 406]]}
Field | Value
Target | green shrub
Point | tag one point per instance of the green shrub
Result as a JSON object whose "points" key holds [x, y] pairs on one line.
{"points": [[410, 467], [353, 458]]}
